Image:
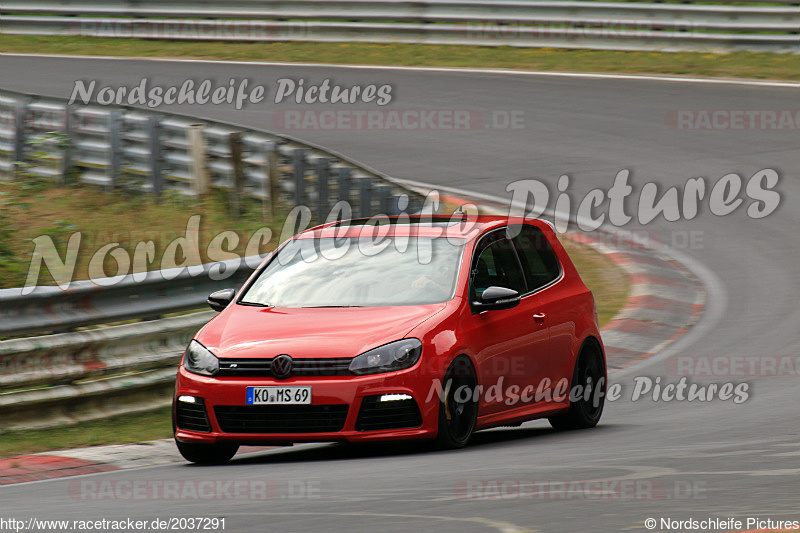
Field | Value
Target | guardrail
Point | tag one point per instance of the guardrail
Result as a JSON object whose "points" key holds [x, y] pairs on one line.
{"points": [[633, 25], [128, 147], [78, 375], [92, 302], [85, 375], [73, 376]]}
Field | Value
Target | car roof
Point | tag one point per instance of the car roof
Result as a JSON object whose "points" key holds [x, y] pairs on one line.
{"points": [[452, 226]]}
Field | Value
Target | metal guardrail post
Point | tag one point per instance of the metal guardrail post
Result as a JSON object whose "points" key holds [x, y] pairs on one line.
{"points": [[412, 204], [384, 193], [323, 173], [20, 134], [365, 197], [344, 184], [273, 176], [299, 174], [197, 157], [66, 155], [398, 204], [115, 144], [237, 176], [154, 136]]}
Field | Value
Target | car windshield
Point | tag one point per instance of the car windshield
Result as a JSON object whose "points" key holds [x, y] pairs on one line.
{"points": [[353, 272]]}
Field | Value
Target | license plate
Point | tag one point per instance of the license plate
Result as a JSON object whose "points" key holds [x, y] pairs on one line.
{"points": [[278, 395]]}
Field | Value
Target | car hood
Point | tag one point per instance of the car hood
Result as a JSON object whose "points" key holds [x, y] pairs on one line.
{"points": [[255, 332]]}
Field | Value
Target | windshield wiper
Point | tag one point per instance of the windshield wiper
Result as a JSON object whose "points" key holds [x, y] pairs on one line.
{"points": [[257, 304], [328, 306]]}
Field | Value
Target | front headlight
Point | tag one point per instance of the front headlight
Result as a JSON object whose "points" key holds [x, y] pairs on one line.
{"points": [[199, 360], [396, 355]]}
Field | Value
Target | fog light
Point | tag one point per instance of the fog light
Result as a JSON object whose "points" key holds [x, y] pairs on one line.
{"points": [[187, 399], [395, 397]]}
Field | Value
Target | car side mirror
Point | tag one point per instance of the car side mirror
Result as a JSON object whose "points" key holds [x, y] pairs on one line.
{"points": [[221, 299], [494, 298]]}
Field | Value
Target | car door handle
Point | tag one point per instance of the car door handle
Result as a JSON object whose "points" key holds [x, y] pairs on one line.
{"points": [[539, 317]]}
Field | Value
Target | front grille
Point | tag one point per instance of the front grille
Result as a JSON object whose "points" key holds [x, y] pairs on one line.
{"points": [[260, 368], [376, 415], [281, 418], [192, 416]]}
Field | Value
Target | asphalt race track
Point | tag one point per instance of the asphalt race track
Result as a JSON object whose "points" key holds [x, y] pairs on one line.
{"points": [[688, 460]]}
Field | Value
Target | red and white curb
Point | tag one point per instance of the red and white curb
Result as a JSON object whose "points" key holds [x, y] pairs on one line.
{"points": [[665, 300], [28, 468], [90, 460], [80, 461]]}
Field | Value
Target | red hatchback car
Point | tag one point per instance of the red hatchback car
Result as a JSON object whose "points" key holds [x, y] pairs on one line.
{"points": [[413, 328]]}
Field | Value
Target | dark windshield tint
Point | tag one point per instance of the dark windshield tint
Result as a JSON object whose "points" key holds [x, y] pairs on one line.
{"points": [[351, 272]]}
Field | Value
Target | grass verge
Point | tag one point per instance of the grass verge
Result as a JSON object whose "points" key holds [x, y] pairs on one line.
{"points": [[607, 281], [736, 65], [151, 425], [32, 211]]}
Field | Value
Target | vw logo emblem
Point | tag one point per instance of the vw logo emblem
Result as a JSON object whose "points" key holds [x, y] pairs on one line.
{"points": [[281, 366]]}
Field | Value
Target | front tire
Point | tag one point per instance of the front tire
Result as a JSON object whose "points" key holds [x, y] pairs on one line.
{"points": [[590, 371], [207, 454], [458, 413]]}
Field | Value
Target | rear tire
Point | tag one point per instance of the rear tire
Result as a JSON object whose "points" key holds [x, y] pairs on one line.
{"points": [[590, 369], [207, 454], [458, 413]]}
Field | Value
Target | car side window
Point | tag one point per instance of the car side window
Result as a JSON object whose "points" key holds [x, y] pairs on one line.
{"points": [[496, 264], [539, 261]]}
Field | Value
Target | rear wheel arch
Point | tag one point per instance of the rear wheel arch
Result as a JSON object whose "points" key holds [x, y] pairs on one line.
{"points": [[584, 412], [596, 344], [590, 341]]}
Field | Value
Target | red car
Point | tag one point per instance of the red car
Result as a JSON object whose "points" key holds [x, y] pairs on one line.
{"points": [[414, 328]]}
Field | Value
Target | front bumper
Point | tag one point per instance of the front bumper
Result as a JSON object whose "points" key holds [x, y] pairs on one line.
{"points": [[350, 391]]}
